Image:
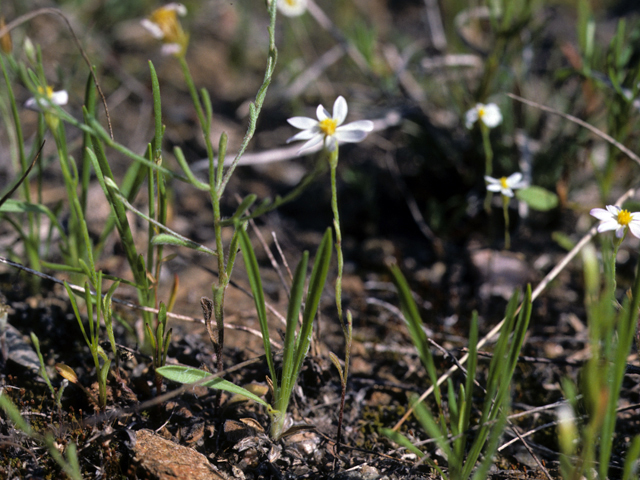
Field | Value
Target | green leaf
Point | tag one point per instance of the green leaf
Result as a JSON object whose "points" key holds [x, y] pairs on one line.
{"points": [[168, 239], [253, 272], [316, 286], [401, 440], [563, 240], [538, 198], [182, 374], [293, 311], [14, 414], [16, 206]]}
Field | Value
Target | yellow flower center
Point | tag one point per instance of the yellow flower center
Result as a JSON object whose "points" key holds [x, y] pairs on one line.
{"points": [[48, 91], [328, 126], [503, 182], [167, 20], [481, 113], [624, 217], [291, 3]]}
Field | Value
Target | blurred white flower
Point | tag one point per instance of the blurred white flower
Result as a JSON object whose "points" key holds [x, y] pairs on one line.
{"points": [[488, 114], [329, 127], [505, 185], [164, 25], [614, 218], [292, 8], [47, 98]]}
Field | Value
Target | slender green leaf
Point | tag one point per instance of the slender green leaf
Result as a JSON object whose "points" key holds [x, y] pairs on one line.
{"points": [[293, 311], [168, 239], [17, 206], [430, 425], [414, 324], [14, 414], [631, 460], [187, 170], [253, 272], [182, 374], [316, 286], [538, 198], [157, 112], [401, 440]]}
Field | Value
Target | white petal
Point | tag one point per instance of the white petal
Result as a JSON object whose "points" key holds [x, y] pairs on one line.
{"points": [[634, 226], [302, 123], [514, 178], [152, 28], [170, 49], [613, 210], [620, 231], [330, 143], [364, 125], [340, 110], [507, 192], [494, 187], [60, 98], [322, 113], [608, 225], [492, 116], [471, 117], [304, 135], [315, 140], [492, 180], [179, 8], [292, 8], [600, 213], [31, 104], [351, 136]]}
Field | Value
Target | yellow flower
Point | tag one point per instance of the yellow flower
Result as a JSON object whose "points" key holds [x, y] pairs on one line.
{"points": [[164, 25]]}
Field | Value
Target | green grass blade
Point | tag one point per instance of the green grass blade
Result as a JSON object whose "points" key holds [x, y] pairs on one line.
{"points": [[182, 374], [401, 440], [414, 324], [14, 414], [157, 113], [316, 285], [630, 462], [430, 425], [293, 311], [253, 272]]}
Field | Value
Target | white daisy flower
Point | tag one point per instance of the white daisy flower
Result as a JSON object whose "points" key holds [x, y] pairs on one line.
{"points": [[488, 114], [164, 25], [614, 218], [329, 127], [292, 8], [47, 98], [505, 185]]}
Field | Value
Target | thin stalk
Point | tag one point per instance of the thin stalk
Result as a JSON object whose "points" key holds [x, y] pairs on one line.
{"points": [[505, 211], [488, 158]]}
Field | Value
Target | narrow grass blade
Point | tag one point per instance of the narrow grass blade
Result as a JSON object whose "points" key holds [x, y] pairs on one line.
{"points": [[253, 272], [293, 311], [14, 414], [401, 440], [316, 285], [414, 324], [181, 374]]}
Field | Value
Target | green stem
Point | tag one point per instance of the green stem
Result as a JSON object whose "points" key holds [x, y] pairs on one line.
{"points": [[197, 103], [488, 166], [505, 211], [333, 163], [616, 246]]}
